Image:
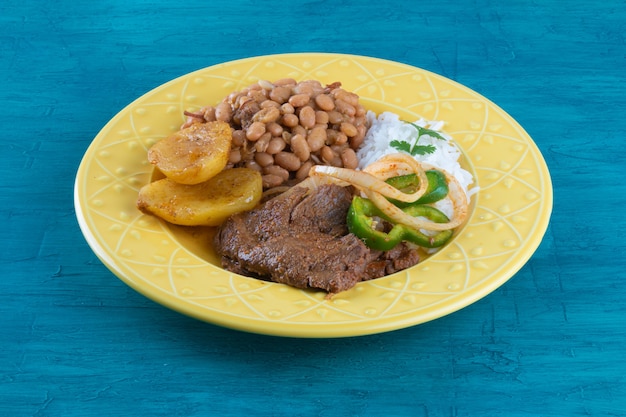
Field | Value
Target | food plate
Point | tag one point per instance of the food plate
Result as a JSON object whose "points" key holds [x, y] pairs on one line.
{"points": [[176, 267]]}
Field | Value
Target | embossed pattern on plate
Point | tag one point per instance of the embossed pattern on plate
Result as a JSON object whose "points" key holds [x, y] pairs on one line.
{"points": [[510, 216]]}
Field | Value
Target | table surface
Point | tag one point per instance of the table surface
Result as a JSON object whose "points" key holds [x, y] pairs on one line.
{"points": [[77, 341]]}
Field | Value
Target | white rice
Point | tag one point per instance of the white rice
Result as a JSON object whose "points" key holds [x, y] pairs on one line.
{"points": [[388, 127]]}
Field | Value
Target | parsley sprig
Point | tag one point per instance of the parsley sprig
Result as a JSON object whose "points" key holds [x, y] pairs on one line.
{"points": [[413, 148]]}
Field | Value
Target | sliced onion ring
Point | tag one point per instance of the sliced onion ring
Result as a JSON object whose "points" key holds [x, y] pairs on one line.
{"points": [[456, 194], [393, 165], [368, 182], [371, 182]]}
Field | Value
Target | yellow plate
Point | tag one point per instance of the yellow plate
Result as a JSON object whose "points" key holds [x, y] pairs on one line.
{"points": [[178, 269]]}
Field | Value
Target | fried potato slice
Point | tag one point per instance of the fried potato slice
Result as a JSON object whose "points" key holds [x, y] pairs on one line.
{"points": [[194, 154], [205, 204]]}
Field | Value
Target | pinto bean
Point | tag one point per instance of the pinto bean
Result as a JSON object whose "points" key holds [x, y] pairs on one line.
{"points": [[253, 165], [287, 108], [235, 156], [274, 128], [307, 117], [269, 103], [345, 107], [349, 158], [264, 84], [303, 171], [357, 140], [310, 87], [335, 117], [325, 102], [276, 145], [258, 95], [299, 100], [287, 137], [321, 117], [290, 120], [263, 159], [348, 129], [336, 137], [280, 94], [263, 142], [316, 138], [287, 160], [223, 112], [209, 113], [300, 147], [285, 82], [336, 161], [299, 130], [346, 96], [271, 180], [255, 131], [239, 137], [267, 115], [276, 170], [327, 154], [341, 138]]}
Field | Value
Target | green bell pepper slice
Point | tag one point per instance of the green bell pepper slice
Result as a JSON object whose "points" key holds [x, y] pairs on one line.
{"points": [[437, 187], [361, 222]]}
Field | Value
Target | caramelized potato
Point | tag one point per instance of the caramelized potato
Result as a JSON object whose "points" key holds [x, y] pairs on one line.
{"points": [[194, 154], [205, 204]]}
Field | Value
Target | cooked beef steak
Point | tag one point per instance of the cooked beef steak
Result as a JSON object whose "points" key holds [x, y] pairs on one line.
{"points": [[386, 263], [301, 239]]}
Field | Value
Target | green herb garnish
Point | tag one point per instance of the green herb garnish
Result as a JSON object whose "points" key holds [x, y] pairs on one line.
{"points": [[413, 148]]}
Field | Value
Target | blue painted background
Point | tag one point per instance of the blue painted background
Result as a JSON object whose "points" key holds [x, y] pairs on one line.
{"points": [[75, 341]]}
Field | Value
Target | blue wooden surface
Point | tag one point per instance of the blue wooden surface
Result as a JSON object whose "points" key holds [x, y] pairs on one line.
{"points": [[77, 342]]}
